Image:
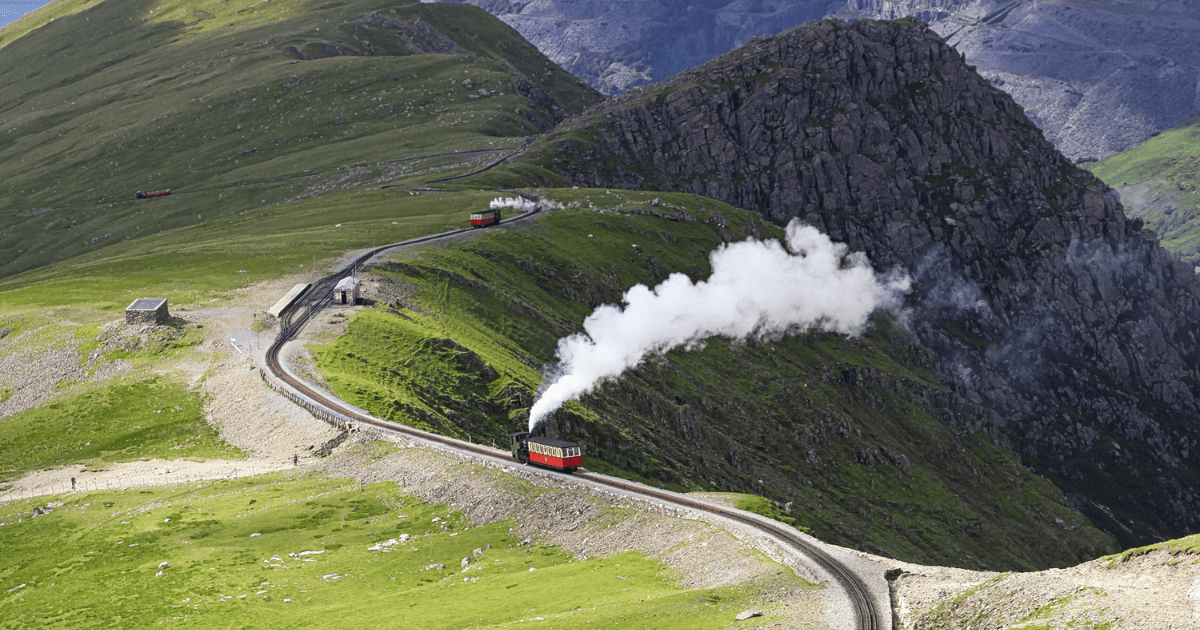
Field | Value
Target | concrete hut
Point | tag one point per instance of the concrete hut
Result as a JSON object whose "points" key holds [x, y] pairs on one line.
{"points": [[346, 291], [147, 311]]}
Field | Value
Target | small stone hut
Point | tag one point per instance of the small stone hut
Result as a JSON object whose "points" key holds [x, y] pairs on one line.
{"points": [[346, 291], [147, 311]]}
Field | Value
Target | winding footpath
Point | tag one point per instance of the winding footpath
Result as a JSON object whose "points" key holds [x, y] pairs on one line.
{"points": [[861, 588]]}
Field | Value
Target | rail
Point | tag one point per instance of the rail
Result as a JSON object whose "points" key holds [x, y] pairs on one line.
{"points": [[339, 414]]}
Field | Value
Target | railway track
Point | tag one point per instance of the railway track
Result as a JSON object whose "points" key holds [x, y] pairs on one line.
{"points": [[866, 616]]}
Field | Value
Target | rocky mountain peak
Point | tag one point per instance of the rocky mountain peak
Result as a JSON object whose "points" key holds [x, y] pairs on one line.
{"points": [[1057, 321]]}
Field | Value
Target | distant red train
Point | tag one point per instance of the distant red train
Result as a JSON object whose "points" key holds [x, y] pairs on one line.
{"points": [[548, 452], [485, 218], [153, 193]]}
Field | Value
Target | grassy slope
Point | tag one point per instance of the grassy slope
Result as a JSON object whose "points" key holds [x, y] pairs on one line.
{"points": [[122, 96], [824, 422], [93, 560], [966, 504], [194, 267], [148, 94], [1158, 181], [133, 419]]}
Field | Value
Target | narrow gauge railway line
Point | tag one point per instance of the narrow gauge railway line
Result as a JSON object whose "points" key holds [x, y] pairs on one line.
{"points": [[313, 300]]}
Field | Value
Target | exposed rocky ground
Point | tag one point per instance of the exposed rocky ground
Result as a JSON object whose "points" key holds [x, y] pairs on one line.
{"points": [[1058, 322], [32, 372], [1157, 589]]}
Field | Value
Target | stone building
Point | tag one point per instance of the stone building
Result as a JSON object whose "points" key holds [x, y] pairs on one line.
{"points": [[346, 291], [147, 311]]}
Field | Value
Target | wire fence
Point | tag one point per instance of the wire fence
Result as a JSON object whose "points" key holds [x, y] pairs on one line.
{"points": [[335, 419]]}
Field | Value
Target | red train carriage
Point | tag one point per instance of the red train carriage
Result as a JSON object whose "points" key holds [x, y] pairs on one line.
{"points": [[153, 193], [547, 452], [485, 218]]}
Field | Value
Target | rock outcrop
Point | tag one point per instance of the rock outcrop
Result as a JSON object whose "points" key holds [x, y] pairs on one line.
{"points": [[1055, 318], [1098, 78]]}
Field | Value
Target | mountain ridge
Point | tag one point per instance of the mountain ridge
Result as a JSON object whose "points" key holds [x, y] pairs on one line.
{"points": [[1097, 77], [1057, 321]]}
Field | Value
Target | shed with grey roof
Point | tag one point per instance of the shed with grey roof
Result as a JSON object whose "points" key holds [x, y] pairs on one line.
{"points": [[147, 311], [346, 291]]}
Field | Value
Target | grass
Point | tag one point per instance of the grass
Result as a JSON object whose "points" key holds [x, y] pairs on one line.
{"points": [[841, 428], [1158, 180], [193, 265], [146, 95], [1181, 546], [132, 419], [233, 553], [764, 507]]}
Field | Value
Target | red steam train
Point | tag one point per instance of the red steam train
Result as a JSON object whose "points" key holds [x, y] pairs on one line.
{"points": [[547, 452], [153, 193], [485, 218]]}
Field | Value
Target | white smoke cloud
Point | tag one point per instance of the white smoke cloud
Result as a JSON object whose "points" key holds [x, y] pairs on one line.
{"points": [[756, 288], [519, 203]]}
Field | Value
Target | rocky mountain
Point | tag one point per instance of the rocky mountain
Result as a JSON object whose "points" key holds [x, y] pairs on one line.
{"points": [[1056, 321], [1097, 77], [615, 46]]}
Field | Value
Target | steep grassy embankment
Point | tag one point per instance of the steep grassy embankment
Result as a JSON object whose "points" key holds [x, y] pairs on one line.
{"points": [[242, 104], [852, 432], [1157, 181]]}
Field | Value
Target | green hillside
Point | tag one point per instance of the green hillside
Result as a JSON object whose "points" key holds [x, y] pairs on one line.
{"points": [[289, 132], [310, 551], [1157, 182], [243, 104], [843, 430]]}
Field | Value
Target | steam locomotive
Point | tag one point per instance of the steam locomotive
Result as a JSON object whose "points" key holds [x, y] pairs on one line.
{"points": [[153, 193], [485, 218], [546, 452]]}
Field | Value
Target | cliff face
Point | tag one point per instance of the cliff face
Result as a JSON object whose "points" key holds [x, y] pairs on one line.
{"points": [[1098, 77], [1055, 319]]}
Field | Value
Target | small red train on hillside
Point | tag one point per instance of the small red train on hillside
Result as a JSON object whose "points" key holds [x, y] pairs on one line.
{"points": [[153, 193], [484, 218], [547, 452]]}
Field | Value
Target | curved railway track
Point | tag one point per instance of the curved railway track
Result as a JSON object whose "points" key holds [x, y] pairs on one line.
{"points": [[320, 294]]}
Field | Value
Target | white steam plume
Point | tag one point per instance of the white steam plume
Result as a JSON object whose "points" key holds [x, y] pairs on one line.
{"points": [[519, 203], [756, 287]]}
